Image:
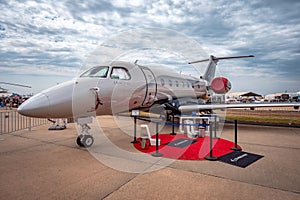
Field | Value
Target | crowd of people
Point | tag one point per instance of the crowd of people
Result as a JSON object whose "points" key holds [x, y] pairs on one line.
{"points": [[11, 102]]}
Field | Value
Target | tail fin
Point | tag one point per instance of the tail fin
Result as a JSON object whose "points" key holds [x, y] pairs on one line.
{"points": [[210, 71]]}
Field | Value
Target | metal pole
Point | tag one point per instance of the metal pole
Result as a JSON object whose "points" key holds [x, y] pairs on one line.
{"points": [[15, 121], [134, 131], [4, 122], [235, 148], [157, 154], [1, 122], [210, 157], [21, 121], [8, 122], [29, 122], [215, 127], [173, 122]]}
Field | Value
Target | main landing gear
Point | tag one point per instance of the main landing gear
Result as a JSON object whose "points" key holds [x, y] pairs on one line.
{"points": [[85, 139]]}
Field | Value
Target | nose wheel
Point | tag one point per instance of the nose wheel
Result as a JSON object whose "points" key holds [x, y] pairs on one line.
{"points": [[85, 140]]}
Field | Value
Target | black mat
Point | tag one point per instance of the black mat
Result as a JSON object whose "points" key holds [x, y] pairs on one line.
{"points": [[181, 143], [240, 158], [57, 127]]}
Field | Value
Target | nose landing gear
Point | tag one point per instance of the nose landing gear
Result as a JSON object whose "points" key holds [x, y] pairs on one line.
{"points": [[85, 139]]}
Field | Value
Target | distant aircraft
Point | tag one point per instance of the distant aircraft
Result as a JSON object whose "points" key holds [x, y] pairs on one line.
{"points": [[122, 86], [14, 84]]}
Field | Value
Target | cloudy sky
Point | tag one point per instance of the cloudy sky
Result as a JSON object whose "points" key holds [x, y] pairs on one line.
{"points": [[43, 42]]}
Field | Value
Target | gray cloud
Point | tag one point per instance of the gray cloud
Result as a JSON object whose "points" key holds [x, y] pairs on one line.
{"points": [[60, 35]]}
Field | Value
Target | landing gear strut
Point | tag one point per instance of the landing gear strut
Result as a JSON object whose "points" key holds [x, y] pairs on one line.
{"points": [[85, 139]]}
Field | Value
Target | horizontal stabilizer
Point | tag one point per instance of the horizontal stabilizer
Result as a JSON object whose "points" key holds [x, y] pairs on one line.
{"points": [[221, 58]]}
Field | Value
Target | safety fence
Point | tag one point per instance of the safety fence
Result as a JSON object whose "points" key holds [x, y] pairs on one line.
{"points": [[11, 121]]}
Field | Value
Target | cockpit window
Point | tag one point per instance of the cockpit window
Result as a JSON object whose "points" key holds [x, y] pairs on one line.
{"points": [[100, 71], [120, 73]]}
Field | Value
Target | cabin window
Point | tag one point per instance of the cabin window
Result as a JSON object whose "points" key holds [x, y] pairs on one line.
{"points": [[182, 83], [177, 83], [120, 73], [170, 83], [162, 81], [99, 71]]}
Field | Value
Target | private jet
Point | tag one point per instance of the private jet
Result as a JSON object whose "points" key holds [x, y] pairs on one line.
{"points": [[118, 86]]}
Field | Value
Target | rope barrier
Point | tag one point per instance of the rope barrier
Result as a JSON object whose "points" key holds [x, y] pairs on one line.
{"points": [[159, 154], [170, 123], [210, 157]]}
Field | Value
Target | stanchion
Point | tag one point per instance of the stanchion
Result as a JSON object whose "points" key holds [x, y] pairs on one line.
{"points": [[134, 131], [173, 122], [235, 148], [157, 154], [210, 157], [215, 127]]}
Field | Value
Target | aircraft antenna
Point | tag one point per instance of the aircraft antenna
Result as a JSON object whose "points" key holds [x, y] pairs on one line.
{"points": [[221, 58]]}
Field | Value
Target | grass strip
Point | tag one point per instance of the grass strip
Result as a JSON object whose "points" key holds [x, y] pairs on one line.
{"points": [[264, 119]]}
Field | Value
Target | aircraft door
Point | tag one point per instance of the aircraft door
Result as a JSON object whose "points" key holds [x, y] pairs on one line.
{"points": [[150, 87]]}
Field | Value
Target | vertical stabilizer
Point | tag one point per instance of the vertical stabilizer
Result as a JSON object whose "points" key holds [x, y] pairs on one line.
{"points": [[210, 71]]}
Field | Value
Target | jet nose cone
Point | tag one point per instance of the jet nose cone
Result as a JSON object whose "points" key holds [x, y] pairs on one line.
{"points": [[36, 106]]}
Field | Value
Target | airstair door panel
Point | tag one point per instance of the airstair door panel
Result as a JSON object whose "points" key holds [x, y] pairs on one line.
{"points": [[151, 87]]}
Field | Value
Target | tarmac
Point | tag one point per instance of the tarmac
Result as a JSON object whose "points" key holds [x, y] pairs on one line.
{"points": [[42, 164]]}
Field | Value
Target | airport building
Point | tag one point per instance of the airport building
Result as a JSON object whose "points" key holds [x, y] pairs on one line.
{"points": [[283, 97], [243, 97]]}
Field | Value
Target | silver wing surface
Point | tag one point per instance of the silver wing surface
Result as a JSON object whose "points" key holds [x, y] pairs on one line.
{"points": [[186, 108]]}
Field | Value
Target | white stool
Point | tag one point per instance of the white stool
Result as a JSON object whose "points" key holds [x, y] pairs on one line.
{"points": [[148, 136]]}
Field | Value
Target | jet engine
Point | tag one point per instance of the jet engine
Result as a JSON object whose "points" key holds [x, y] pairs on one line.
{"points": [[220, 85]]}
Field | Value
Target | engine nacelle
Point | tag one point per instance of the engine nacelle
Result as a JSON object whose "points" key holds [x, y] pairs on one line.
{"points": [[220, 85]]}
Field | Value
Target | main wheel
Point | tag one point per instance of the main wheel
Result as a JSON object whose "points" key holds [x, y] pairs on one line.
{"points": [[78, 140], [87, 141]]}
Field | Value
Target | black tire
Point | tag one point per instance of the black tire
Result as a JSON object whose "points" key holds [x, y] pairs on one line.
{"points": [[78, 141], [87, 141]]}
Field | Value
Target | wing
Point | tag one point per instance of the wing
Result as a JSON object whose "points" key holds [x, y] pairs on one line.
{"points": [[186, 108]]}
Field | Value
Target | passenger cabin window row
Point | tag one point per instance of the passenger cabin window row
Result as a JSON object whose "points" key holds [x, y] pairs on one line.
{"points": [[181, 84]]}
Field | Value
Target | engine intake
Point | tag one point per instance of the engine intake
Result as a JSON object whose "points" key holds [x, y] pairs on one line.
{"points": [[220, 85]]}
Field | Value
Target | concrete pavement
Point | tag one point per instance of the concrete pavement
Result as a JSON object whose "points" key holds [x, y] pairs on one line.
{"points": [[42, 164]]}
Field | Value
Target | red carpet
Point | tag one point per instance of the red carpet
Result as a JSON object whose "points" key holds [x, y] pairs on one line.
{"points": [[195, 151]]}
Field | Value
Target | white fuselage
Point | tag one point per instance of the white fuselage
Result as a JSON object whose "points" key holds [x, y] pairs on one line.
{"points": [[118, 86], [112, 88]]}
